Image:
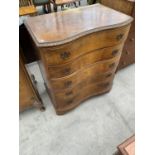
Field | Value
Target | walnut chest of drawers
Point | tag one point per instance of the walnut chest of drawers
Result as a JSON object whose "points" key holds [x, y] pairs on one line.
{"points": [[79, 51]]}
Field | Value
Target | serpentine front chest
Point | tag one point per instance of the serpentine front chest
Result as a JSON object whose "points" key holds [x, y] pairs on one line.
{"points": [[79, 51]]}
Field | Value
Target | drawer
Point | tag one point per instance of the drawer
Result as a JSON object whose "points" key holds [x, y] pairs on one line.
{"points": [[74, 91], [71, 101], [64, 53], [83, 61], [58, 84]]}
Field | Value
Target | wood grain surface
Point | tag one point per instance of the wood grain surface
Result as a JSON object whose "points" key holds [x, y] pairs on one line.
{"points": [[81, 62], [79, 51], [64, 53], [65, 26], [27, 10], [28, 95], [85, 73]]}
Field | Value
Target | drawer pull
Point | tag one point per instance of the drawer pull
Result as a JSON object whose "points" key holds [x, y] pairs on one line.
{"points": [[68, 93], [112, 65], [114, 52], [108, 75], [65, 55], [68, 83], [119, 37], [69, 102], [66, 71]]}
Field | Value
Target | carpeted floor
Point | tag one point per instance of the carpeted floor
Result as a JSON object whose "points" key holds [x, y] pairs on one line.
{"points": [[96, 127]]}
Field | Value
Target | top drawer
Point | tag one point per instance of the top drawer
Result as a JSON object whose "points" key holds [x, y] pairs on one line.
{"points": [[64, 53]]}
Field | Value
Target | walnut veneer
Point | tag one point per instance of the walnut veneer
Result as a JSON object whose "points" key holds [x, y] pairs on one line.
{"points": [[79, 51]]}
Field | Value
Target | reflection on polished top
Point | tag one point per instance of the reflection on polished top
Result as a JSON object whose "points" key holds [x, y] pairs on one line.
{"points": [[65, 26]]}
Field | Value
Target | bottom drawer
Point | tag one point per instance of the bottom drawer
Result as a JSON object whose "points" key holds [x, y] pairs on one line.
{"points": [[65, 104]]}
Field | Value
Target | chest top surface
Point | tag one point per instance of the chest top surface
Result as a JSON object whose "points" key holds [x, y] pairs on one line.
{"points": [[65, 26]]}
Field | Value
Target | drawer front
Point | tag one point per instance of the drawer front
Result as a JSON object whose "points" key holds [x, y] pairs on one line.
{"points": [[83, 61], [70, 93], [66, 82], [64, 53], [67, 102]]}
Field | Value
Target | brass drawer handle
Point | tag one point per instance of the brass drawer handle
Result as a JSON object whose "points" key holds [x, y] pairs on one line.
{"points": [[68, 83], [114, 52], [65, 55], [69, 102], [69, 93], [119, 37], [112, 65], [108, 75]]}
